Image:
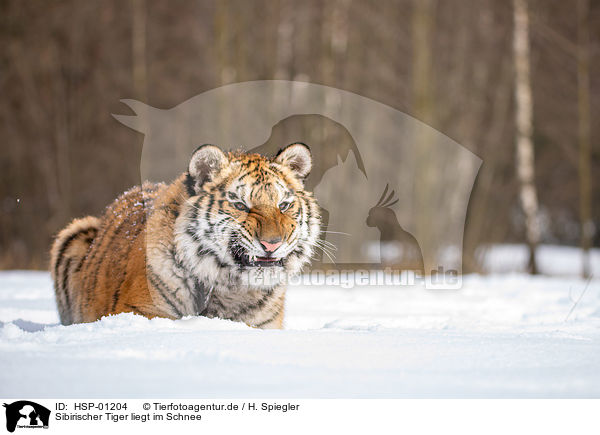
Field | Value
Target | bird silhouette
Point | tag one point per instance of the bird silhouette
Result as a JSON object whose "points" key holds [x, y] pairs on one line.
{"points": [[393, 235]]}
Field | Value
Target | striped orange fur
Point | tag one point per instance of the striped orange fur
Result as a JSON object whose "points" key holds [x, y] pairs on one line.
{"points": [[219, 241]]}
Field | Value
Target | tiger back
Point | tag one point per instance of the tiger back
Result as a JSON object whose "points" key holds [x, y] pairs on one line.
{"points": [[219, 241]]}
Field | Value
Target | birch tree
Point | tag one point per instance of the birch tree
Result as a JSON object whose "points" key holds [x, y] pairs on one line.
{"points": [[523, 119]]}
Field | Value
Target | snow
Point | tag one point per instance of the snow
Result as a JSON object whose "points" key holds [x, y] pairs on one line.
{"points": [[551, 259], [501, 335]]}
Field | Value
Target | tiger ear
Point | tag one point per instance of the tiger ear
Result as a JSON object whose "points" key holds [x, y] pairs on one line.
{"points": [[297, 157], [205, 162]]}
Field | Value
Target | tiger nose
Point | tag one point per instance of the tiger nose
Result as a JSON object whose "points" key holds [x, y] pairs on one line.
{"points": [[271, 245]]}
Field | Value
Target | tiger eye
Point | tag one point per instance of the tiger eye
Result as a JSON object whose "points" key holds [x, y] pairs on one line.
{"points": [[240, 206]]}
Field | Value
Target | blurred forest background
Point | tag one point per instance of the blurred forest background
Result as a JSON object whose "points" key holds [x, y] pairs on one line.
{"points": [[65, 64]]}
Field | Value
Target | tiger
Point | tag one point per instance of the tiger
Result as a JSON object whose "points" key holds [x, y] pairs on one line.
{"points": [[220, 241]]}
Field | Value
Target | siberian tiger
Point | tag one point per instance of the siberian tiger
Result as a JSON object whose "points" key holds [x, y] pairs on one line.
{"points": [[219, 241]]}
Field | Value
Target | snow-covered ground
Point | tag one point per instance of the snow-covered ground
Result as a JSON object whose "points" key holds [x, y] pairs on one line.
{"points": [[551, 259], [507, 335]]}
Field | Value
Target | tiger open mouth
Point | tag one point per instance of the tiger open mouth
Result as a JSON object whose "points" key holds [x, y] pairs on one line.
{"points": [[255, 261]]}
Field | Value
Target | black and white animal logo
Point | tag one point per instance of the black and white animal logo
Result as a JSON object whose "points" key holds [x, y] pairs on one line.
{"points": [[26, 414]]}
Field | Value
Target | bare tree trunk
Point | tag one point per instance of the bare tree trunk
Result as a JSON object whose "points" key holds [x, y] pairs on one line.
{"points": [[227, 72], [585, 146], [334, 39], [335, 42], [138, 48], [62, 136], [285, 47], [240, 49], [422, 27], [523, 118], [423, 18]]}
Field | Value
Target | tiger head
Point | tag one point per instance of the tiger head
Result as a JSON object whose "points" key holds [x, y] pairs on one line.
{"points": [[248, 215]]}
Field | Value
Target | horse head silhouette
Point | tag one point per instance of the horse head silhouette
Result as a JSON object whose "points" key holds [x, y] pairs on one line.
{"points": [[328, 140]]}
